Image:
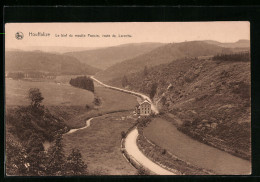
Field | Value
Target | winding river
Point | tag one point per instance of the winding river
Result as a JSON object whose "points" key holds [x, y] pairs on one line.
{"points": [[74, 130]]}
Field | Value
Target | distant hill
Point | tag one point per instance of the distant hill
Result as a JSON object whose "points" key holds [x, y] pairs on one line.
{"points": [[45, 62], [103, 58], [163, 54], [243, 43], [51, 49]]}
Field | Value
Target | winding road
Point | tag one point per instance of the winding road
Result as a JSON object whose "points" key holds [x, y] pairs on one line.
{"points": [[133, 150], [154, 109], [130, 141]]}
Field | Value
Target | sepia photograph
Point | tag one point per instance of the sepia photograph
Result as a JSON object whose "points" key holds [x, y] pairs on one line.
{"points": [[128, 98]]}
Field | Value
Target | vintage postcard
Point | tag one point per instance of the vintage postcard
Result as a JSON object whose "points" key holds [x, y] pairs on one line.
{"points": [[132, 98]]}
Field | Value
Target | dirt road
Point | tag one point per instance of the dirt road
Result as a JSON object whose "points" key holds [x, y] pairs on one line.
{"points": [[154, 109], [133, 150]]}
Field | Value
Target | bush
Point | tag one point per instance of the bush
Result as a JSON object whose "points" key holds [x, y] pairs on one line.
{"points": [[88, 107], [187, 123], [242, 56], [153, 90], [241, 88], [75, 165], [97, 101], [162, 112], [123, 134], [142, 122], [124, 81], [142, 171], [152, 115], [164, 152], [163, 100], [201, 98]]}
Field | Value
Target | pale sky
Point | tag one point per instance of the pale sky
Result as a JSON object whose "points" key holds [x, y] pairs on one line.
{"points": [[165, 32]]}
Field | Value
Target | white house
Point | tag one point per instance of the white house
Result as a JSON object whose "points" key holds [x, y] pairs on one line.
{"points": [[144, 108]]}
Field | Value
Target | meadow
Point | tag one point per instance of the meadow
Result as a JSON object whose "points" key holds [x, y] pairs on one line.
{"points": [[111, 101], [53, 93], [100, 144]]}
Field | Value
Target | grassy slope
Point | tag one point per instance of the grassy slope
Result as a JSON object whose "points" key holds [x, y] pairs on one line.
{"points": [[160, 55], [54, 94], [167, 136], [211, 98], [67, 102], [112, 101], [100, 144]]}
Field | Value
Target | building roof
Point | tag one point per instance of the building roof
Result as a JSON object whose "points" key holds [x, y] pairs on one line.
{"points": [[145, 101]]}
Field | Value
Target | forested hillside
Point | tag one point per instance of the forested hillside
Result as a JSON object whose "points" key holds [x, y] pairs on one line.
{"points": [[239, 44], [103, 58], [209, 97], [161, 55], [83, 82], [28, 128], [45, 62]]}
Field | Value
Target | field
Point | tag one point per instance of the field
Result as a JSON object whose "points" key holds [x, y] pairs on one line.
{"points": [[68, 102], [100, 144], [166, 135], [53, 93], [112, 101], [115, 100]]}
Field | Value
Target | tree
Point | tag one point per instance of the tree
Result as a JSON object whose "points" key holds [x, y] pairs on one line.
{"points": [[83, 82], [15, 158], [124, 81], [163, 100], [143, 122], [145, 71], [142, 171], [36, 97], [123, 134], [36, 163], [56, 158], [75, 166], [153, 90], [97, 101], [34, 143]]}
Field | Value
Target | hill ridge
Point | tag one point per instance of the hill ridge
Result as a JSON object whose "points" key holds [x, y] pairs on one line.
{"points": [[48, 62], [163, 54], [107, 56]]}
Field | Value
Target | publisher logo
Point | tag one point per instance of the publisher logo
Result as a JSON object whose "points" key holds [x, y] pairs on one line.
{"points": [[19, 35]]}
